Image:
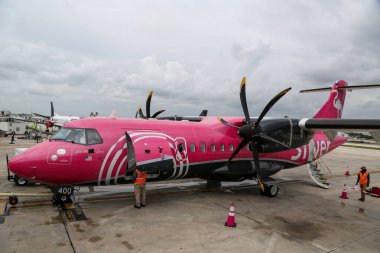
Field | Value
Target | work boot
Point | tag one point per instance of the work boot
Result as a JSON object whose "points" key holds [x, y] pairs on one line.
{"points": [[361, 199], [137, 206]]}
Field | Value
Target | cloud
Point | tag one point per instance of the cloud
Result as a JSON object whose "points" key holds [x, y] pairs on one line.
{"points": [[103, 56]]}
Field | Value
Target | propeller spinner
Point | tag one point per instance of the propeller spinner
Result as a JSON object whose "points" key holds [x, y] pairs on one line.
{"points": [[252, 132]]}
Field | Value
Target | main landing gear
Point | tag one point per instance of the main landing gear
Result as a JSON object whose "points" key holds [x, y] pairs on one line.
{"points": [[62, 194], [269, 190]]}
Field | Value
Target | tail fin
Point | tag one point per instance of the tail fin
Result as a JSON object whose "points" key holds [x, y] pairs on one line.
{"points": [[333, 107], [52, 113]]}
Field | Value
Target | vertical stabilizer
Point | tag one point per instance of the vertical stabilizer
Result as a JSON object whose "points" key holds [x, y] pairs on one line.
{"points": [[333, 107]]}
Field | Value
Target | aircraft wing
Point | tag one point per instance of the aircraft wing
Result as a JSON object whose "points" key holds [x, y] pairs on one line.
{"points": [[42, 116], [332, 126]]}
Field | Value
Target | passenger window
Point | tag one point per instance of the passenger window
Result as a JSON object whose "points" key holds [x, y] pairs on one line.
{"points": [[77, 136], [203, 147], [221, 147], [213, 147], [192, 147], [93, 137], [231, 147], [180, 147]]}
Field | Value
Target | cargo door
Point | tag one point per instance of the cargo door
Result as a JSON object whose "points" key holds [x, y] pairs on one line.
{"points": [[149, 151]]}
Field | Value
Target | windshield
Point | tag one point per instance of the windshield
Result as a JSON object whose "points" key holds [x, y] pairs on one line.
{"points": [[78, 136], [61, 134]]}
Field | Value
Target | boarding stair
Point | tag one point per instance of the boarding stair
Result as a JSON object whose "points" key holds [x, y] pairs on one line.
{"points": [[316, 175]]}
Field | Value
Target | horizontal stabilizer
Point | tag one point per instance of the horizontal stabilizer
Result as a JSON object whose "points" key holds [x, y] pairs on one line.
{"points": [[349, 88], [340, 124]]}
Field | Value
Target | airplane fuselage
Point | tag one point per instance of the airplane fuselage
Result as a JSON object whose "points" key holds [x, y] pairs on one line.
{"points": [[167, 149]]}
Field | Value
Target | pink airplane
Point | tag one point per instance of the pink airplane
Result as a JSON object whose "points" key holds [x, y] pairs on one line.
{"points": [[106, 151]]}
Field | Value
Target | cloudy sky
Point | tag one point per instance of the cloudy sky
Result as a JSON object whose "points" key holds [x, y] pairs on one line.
{"points": [[105, 55]]}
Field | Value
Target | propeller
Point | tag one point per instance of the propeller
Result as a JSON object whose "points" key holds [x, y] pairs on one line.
{"points": [[147, 109], [252, 132]]}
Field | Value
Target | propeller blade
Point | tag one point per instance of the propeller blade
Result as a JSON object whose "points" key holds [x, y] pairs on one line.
{"points": [[270, 104], [226, 123], [266, 137], [147, 109], [157, 113], [141, 113], [137, 112], [256, 160], [243, 101], [241, 145]]}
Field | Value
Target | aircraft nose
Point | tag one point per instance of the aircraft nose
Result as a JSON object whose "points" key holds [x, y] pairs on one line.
{"points": [[17, 163], [21, 167]]}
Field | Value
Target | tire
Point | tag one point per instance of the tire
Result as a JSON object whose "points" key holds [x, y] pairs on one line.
{"points": [[19, 181], [13, 200], [271, 191]]}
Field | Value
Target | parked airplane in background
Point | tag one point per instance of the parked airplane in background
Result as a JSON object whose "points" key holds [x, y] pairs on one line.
{"points": [[55, 119], [104, 151]]}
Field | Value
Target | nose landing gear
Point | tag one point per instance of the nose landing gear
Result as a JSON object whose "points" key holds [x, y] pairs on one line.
{"points": [[62, 194]]}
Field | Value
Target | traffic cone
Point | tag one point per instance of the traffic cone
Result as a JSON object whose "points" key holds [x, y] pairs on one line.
{"points": [[344, 193], [347, 174], [231, 217]]}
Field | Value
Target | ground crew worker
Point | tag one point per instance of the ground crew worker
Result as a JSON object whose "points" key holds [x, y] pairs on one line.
{"points": [[363, 179], [140, 192]]}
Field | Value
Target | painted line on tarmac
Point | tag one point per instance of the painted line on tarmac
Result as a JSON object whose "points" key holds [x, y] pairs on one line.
{"points": [[67, 231]]}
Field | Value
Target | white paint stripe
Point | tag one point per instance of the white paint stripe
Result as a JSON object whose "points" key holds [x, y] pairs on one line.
{"points": [[179, 158], [151, 133], [146, 137], [112, 165], [118, 169], [106, 159], [187, 168], [180, 169], [174, 169]]}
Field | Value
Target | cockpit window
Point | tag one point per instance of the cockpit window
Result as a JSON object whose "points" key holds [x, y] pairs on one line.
{"points": [[93, 137], [77, 136], [61, 134]]}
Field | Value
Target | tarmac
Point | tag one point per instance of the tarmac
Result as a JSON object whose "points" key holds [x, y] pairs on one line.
{"points": [[185, 216]]}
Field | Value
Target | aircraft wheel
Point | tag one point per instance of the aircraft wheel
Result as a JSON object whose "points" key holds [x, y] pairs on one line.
{"points": [[271, 190], [13, 200], [19, 181]]}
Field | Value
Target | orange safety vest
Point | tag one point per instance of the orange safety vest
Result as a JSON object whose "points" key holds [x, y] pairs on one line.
{"points": [[141, 177], [363, 178]]}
